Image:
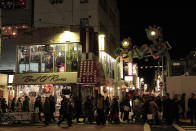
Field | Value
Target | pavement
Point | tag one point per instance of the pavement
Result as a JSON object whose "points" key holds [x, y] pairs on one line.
{"points": [[182, 126], [124, 125]]}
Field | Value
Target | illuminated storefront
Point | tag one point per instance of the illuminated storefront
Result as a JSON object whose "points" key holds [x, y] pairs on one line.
{"points": [[3, 86], [46, 84], [49, 58], [47, 64]]}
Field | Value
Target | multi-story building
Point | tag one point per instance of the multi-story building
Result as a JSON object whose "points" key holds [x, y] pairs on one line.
{"points": [[92, 23], [185, 66]]}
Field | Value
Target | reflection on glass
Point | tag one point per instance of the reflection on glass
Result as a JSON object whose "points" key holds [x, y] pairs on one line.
{"points": [[49, 58], [47, 62], [23, 55]]}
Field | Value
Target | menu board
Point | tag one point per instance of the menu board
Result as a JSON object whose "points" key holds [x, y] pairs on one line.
{"points": [[88, 71]]}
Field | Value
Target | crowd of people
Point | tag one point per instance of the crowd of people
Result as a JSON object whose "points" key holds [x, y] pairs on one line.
{"points": [[146, 108]]}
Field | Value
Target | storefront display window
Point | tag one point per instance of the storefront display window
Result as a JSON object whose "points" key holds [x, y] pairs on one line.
{"points": [[23, 55], [49, 58], [108, 63], [59, 57], [47, 61], [32, 91], [35, 58]]}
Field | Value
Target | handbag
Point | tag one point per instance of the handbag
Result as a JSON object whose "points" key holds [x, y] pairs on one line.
{"points": [[149, 117], [37, 110], [95, 113], [126, 108]]}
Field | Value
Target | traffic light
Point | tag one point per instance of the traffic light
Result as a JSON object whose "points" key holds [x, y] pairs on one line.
{"points": [[12, 4]]}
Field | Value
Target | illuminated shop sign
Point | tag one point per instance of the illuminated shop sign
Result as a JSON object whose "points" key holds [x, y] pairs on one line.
{"points": [[46, 78], [134, 69], [128, 78], [130, 68]]}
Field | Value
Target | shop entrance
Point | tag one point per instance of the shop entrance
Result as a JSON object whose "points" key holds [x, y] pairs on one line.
{"points": [[33, 91]]}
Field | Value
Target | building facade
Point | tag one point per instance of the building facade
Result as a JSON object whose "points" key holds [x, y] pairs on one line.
{"points": [[185, 66], [42, 21]]}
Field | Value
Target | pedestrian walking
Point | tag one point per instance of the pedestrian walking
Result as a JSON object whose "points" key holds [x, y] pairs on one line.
{"points": [[26, 104], [70, 107], [100, 119], [106, 107], [66, 111], [38, 107], [122, 109], [88, 110], [127, 108], [4, 106], [52, 107], [78, 109], [167, 109], [19, 105], [176, 107], [192, 108], [13, 104], [47, 111], [114, 111], [182, 104]]}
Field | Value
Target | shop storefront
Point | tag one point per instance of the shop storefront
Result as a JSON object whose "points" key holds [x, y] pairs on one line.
{"points": [[88, 79], [3, 86], [44, 85], [47, 63]]}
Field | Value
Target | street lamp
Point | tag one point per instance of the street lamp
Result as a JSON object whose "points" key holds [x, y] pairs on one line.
{"points": [[152, 33]]}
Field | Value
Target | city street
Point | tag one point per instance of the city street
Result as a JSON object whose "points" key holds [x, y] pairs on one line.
{"points": [[91, 127]]}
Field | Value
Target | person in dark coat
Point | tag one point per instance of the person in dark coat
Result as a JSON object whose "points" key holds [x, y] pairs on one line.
{"points": [[100, 119], [38, 107], [145, 107], [175, 108], [167, 109], [3, 105], [127, 108], [70, 108], [66, 111], [13, 104], [114, 111], [88, 110], [106, 107], [63, 110], [122, 109], [78, 108], [25, 106], [192, 108], [47, 111], [52, 107], [182, 104]]}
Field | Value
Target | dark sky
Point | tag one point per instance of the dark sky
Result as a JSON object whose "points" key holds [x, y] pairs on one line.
{"points": [[178, 25]]}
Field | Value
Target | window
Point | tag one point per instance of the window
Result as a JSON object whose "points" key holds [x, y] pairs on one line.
{"points": [[83, 1], [104, 5], [49, 58], [84, 22]]}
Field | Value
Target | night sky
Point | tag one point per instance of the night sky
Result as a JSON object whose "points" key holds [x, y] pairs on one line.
{"points": [[178, 25]]}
